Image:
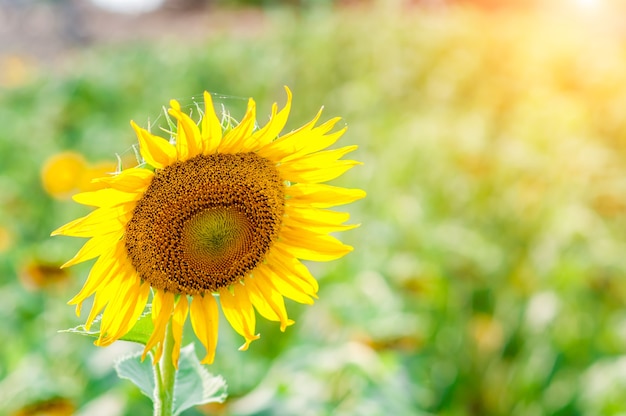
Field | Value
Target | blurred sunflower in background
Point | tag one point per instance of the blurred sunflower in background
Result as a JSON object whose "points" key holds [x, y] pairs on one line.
{"points": [[66, 173], [216, 210]]}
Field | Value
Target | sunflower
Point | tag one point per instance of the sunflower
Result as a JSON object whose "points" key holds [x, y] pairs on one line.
{"points": [[216, 213], [68, 172]]}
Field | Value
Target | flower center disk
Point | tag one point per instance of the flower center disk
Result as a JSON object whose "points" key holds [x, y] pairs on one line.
{"points": [[205, 223]]}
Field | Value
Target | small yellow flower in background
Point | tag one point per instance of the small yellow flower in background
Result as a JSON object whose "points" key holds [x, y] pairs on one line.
{"points": [[15, 70], [37, 274], [52, 407], [6, 239], [226, 212], [60, 173], [66, 173]]}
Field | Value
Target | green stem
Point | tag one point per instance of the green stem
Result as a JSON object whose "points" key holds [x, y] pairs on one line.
{"points": [[166, 374]]}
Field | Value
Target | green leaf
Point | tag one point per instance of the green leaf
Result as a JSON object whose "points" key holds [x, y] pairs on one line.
{"points": [[140, 333], [140, 373], [143, 329], [194, 385]]}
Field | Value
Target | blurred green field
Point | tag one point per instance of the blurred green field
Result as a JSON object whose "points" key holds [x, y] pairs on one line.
{"points": [[488, 272]]}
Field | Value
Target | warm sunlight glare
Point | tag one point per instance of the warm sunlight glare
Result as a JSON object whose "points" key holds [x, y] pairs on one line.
{"points": [[588, 5]]}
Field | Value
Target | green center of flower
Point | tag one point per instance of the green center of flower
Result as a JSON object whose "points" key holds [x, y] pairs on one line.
{"points": [[205, 223], [216, 236], [212, 232]]}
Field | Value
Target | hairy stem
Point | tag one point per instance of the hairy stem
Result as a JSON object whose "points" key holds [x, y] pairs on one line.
{"points": [[166, 374]]}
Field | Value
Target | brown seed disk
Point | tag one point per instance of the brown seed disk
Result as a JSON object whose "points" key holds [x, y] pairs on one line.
{"points": [[205, 223]]}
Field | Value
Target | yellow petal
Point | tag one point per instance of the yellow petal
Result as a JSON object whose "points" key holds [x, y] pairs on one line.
{"points": [[318, 159], [204, 320], [99, 302], [99, 222], [307, 139], [211, 127], [307, 245], [319, 174], [188, 138], [162, 306], [316, 141], [155, 150], [102, 272], [178, 322], [129, 180], [95, 247], [239, 312], [288, 143], [106, 198], [321, 195], [182, 151], [272, 129], [234, 139], [268, 302], [124, 309], [285, 264], [317, 220], [317, 227], [294, 290]]}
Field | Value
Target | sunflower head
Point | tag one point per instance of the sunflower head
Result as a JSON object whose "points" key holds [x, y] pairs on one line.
{"points": [[214, 213]]}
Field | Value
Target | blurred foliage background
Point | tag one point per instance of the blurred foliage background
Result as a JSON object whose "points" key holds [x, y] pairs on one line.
{"points": [[488, 273]]}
